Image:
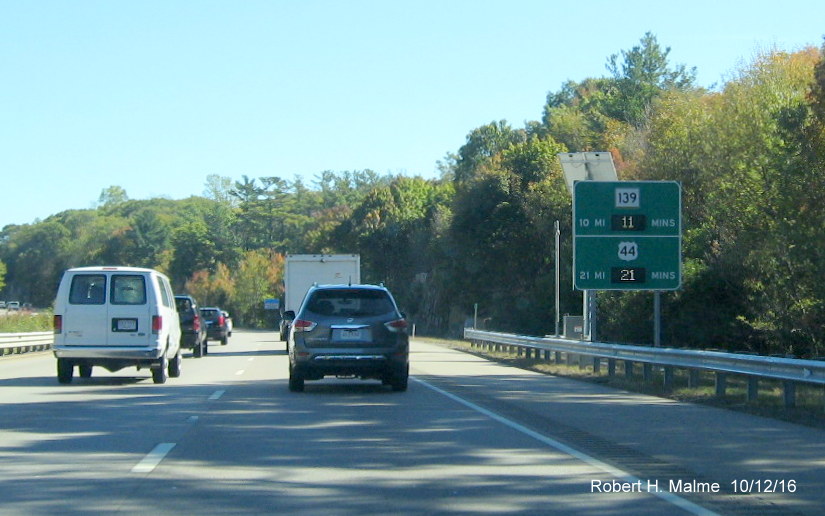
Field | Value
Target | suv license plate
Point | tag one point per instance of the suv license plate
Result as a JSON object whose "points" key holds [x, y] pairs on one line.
{"points": [[358, 334]]}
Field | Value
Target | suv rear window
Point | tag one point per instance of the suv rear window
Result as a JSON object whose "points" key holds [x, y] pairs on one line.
{"points": [[350, 303], [88, 289], [210, 314], [128, 290], [183, 304]]}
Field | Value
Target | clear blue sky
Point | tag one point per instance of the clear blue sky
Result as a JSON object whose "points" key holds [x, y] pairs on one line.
{"points": [[154, 95]]}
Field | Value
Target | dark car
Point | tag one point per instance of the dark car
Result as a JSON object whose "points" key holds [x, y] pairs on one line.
{"points": [[192, 327], [216, 324], [348, 331]]}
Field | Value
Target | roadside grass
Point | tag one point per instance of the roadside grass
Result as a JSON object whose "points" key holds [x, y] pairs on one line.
{"points": [[23, 322], [810, 399]]}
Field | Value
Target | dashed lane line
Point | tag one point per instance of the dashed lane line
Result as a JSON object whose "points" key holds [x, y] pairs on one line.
{"points": [[153, 458]]}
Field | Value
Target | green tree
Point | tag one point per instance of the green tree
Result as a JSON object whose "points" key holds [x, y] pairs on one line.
{"points": [[482, 144], [33, 257], [501, 236], [219, 188], [112, 196], [641, 76], [753, 200], [193, 250]]}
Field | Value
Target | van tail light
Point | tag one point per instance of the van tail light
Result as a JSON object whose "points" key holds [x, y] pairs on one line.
{"points": [[196, 323], [303, 325], [397, 326], [157, 324], [221, 320], [58, 324]]}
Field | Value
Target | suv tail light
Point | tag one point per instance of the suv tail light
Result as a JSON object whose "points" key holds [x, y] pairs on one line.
{"points": [[196, 323], [157, 324], [221, 320], [58, 324], [303, 325], [397, 325]]}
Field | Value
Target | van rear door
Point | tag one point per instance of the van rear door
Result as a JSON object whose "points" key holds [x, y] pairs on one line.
{"points": [[129, 315], [85, 315]]}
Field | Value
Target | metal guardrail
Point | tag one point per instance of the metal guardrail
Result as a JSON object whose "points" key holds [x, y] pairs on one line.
{"points": [[788, 370], [11, 343]]}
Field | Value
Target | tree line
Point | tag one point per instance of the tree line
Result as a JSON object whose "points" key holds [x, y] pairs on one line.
{"points": [[749, 154]]}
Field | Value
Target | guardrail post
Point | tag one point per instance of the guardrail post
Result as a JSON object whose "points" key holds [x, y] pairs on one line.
{"points": [[789, 389], [628, 369], [558, 356], [668, 383], [753, 388], [647, 371], [721, 383], [597, 365], [693, 378], [582, 361], [611, 366]]}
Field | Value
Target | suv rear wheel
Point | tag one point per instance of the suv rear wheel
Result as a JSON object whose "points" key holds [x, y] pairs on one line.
{"points": [[399, 381], [296, 381]]}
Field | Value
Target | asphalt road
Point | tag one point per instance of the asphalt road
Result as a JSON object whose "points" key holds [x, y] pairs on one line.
{"points": [[468, 437]]}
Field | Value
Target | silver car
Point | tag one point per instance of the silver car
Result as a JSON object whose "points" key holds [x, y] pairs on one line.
{"points": [[348, 331]]}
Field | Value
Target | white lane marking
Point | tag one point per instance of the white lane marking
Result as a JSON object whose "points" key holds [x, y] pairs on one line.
{"points": [[616, 472], [238, 373], [153, 458], [216, 395], [251, 359]]}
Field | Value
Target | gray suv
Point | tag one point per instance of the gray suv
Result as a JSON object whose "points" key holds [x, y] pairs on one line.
{"points": [[348, 331]]}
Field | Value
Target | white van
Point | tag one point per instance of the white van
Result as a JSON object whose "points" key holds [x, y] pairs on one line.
{"points": [[116, 317]]}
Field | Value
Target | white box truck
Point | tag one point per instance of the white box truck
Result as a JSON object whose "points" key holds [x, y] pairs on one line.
{"points": [[301, 271]]}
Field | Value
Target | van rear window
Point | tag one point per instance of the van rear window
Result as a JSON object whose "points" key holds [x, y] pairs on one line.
{"points": [[128, 290], [88, 289]]}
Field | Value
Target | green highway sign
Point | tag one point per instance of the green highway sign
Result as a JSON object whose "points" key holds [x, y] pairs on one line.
{"points": [[627, 235]]}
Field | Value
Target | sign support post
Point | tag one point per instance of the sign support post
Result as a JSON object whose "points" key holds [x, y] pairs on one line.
{"points": [[557, 232]]}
